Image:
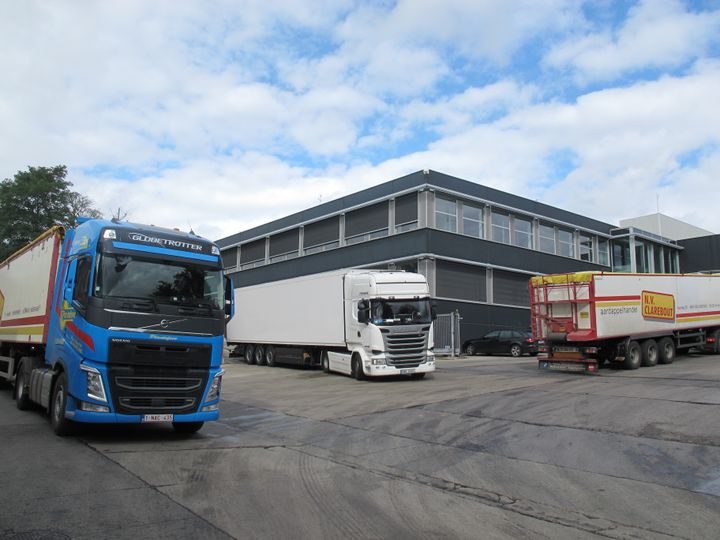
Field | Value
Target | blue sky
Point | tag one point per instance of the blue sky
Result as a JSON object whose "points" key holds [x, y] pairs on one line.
{"points": [[222, 115]]}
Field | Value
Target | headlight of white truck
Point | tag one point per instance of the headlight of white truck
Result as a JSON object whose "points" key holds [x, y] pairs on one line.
{"points": [[95, 387]]}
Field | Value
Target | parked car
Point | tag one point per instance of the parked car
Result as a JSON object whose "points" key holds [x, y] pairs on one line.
{"points": [[513, 342]]}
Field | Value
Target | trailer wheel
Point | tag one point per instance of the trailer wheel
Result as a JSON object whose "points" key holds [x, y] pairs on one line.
{"points": [[61, 425], [259, 355], [249, 354], [357, 369], [666, 351], [22, 399], [649, 353], [633, 356], [325, 362], [187, 428], [270, 356]]}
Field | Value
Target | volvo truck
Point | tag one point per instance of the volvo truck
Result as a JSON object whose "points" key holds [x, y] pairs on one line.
{"points": [[113, 322], [586, 319], [363, 323]]}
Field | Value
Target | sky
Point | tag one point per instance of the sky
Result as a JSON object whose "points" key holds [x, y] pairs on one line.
{"points": [[222, 115]]}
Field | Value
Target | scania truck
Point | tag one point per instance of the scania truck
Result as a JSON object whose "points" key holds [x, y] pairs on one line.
{"points": [[586, 319], [361, 323], [113, 322]]}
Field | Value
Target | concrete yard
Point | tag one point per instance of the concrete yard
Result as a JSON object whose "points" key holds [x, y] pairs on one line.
{"points": [[487, 447]]}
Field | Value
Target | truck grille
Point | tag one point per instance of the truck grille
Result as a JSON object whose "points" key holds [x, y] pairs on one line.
{"points": [[406, 348], [142, 389]]}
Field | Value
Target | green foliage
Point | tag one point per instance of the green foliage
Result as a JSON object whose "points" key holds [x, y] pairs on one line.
{"points": [[35, 200]]}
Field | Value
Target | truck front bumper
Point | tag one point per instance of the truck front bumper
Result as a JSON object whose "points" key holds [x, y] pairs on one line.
{"points": [[381, 370], [114, 418]]}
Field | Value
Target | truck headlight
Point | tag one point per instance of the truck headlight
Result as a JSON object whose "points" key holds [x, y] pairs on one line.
{"points": [[95, 386], [214, 392], [378, 361]]}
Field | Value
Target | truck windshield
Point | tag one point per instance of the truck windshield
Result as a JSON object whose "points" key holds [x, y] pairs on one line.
{"points": [[169, 282], [389, 312]]}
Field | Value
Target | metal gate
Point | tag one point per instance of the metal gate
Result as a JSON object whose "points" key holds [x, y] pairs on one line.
{"points": [[447, 333]]}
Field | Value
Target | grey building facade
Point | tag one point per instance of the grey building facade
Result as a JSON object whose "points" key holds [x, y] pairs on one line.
{"points": [[477, 246]]}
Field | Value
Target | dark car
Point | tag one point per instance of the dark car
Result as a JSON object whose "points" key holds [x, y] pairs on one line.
{"points": [[514, 342]]}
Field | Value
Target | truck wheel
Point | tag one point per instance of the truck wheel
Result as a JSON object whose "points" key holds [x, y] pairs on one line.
{"points": [[249, 354], [187, 428], [515, 350], [259, 355], [357, 369], [22, 399], [270, 356], [61, 425], [649, 353], [666, 351], [633, 356], [716, 345], [325, 362]]}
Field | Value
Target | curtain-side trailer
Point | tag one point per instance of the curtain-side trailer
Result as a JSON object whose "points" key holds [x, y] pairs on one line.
{"points": [[359, 322], [588, 318], [115, 322]]}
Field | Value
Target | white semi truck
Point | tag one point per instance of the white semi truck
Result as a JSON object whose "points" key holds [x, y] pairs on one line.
{"points": [[588, 318], [359, 322]]}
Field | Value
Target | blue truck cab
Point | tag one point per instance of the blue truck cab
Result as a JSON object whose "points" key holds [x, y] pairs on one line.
{"points": [[136, 331]]}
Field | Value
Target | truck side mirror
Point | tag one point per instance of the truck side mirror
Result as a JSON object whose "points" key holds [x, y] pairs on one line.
{"points": [[433, 310], [229, 298], [363, 311]]}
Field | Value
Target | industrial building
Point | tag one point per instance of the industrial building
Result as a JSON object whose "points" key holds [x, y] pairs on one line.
{"points": [[478, 246]]}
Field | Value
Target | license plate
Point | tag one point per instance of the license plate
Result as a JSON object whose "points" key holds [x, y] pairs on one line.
{"points": [[406, 371], [565, 349], [157, 418]]}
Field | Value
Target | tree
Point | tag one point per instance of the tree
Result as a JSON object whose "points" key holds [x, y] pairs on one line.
{"points": [[35, 200]]}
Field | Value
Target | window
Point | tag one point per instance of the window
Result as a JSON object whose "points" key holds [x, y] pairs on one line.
{"points": [[82, 281], [321, 235], [510, 288], [285, 245], [670, 262], [586, 247], [603, 254], [406, 212], [547, 238], [621, 255], [472, 220], [229, 257], [461, 281], [500, 227], [657, 259], [566, 243], [252, 254], [642, 259], [366, 223], [445, 214], [522, 232]]}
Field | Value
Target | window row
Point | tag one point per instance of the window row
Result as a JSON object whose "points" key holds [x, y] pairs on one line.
{"points": [[490, 223], [466, 282]]}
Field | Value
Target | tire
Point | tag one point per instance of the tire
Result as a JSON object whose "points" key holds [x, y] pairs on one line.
{"points": [[357, 369], [649, 353], [515, 350], [22, 398], [325, 362], [187, 428], [270, 356], [259, 355], [633, 356], [249, 354], [470, 349], [716, 345], [58, 403], [666, 351]]}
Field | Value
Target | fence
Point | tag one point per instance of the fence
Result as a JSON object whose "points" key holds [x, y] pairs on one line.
{"points": [[447, 333]]}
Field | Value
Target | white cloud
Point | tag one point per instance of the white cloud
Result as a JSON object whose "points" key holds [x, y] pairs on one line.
{"points": [[656, 34]]}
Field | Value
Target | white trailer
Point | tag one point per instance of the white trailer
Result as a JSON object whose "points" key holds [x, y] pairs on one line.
{"points": [[357, 322], [588, 318], [26, 286]]}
